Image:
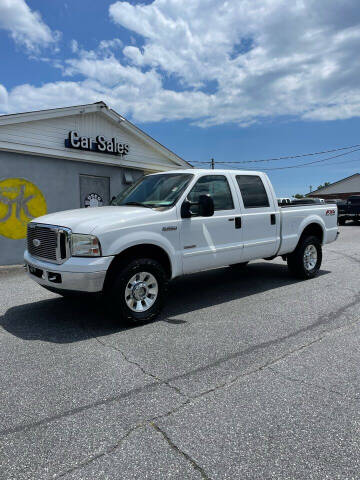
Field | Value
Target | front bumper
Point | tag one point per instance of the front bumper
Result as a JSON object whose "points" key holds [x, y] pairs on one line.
{"points": [[76, 274]]}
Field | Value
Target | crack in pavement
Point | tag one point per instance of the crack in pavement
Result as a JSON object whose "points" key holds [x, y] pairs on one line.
{"points": [[323, 319], [311, 384], [151, 421], [193, 400], [159, 380], [346, 255], [76, 410], [195, 465], [111, 449]]}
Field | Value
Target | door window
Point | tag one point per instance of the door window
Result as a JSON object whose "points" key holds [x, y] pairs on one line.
{"points": [[252, 191], [217, 187]]}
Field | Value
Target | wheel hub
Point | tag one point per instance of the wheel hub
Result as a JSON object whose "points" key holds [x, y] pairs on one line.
{"points": [[310, 257], [141, 291]]}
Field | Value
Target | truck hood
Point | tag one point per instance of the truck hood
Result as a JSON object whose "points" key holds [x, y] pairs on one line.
{"points": [[95, 220]]}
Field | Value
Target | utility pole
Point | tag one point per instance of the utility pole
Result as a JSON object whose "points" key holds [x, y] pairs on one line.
{"points": [[311, 187], [212, 164]]}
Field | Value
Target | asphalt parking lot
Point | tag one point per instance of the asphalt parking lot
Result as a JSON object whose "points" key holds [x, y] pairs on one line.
{"points": [[246, 375]]}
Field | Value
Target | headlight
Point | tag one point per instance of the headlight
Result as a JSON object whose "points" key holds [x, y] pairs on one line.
{"points": [[84, 245]]}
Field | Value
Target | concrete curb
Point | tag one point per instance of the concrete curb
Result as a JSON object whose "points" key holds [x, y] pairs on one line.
{"points": [[11, 267]]}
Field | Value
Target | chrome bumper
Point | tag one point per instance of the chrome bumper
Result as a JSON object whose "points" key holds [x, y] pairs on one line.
{"points": [[57, 276]]}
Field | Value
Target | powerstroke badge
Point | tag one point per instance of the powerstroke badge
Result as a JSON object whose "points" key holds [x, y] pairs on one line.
{"points": [[169, 229]]}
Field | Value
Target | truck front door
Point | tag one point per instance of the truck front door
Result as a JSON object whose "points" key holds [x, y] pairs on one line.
{"points": [[209, 242]]}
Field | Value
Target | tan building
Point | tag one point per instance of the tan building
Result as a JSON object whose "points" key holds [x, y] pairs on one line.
{"points": [[341, 189]]}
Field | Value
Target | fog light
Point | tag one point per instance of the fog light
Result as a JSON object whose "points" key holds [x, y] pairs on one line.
{"points": [[54, 277]]}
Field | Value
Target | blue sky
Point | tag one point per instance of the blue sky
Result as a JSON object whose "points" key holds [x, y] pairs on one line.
{"points": [[235, 80]]}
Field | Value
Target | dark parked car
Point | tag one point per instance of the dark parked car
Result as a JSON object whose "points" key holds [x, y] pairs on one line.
{"points": [[349, 209]]}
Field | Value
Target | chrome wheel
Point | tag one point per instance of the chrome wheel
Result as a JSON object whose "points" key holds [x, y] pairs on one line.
{"points": [[141, 292], [310, 257]]}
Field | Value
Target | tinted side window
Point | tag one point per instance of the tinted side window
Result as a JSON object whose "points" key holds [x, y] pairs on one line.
{"points": [[252, 191], [215, 185]]}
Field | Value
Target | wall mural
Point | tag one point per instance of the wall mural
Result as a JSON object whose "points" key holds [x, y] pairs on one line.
{"points": [[20, 202]]}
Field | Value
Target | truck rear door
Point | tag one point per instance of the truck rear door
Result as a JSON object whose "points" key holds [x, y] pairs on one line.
{"points": [[260, 216]]}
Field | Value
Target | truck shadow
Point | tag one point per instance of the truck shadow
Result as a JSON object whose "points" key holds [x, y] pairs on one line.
{"points": [[67, 320]]}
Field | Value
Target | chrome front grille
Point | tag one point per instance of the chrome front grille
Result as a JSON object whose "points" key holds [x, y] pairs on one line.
{"points": [[48, 242]]}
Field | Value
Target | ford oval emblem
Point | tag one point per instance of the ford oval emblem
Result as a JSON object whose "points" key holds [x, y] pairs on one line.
{"points": [[36, 242]]}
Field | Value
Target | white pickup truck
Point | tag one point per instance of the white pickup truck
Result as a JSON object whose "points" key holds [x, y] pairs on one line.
{"points": [[171, 224]]}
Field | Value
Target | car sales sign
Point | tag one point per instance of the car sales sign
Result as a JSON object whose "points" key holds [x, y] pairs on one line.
{"points": [[100, 144]]}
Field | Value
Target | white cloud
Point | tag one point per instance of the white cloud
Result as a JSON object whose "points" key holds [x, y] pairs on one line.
{"points": [[25, 26], [133, 100], [217, 61], [267, 57], [3, 98], [74, 46], [110, 45]]}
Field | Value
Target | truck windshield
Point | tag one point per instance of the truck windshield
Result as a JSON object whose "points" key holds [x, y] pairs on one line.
{"points": [[162, 190]]}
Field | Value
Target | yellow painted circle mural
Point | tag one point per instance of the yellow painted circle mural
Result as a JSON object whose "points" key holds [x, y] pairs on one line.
{"points": [[20, 201]]}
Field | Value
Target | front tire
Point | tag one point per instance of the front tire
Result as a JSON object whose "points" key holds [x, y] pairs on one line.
{"points": [[136, 292], [342, 221], [306, 260]]}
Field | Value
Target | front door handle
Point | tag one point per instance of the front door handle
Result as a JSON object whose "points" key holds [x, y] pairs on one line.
{"points": [[273, 219], [237, 222]]}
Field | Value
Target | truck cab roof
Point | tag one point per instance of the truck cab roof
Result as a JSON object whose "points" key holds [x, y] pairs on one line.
{"points": [[208, 171]]}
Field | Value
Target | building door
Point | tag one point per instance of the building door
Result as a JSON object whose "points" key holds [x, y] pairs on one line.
{"points": [[94, 191]]}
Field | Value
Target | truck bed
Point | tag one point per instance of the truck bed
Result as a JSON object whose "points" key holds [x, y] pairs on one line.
{"points": [[295, 217]]}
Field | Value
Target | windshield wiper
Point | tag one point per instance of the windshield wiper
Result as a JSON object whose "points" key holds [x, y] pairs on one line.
{"points": [[138, 204]]}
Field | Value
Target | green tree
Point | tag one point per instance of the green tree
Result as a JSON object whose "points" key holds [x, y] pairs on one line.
{"points": [[298, 195], [322, 186]]}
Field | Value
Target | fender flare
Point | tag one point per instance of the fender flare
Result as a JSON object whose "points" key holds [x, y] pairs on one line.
{"points": [[139, 238], [312, 220]]}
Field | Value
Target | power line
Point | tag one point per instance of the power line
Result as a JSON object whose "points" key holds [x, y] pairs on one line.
{"points": [[338, 163], [307, 163], [315, 161], [279, 158]]}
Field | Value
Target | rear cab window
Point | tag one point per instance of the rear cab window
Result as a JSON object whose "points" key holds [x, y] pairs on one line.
{"points": [[253, 192]]}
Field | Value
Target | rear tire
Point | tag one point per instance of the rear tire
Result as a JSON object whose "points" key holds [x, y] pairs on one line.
{"points": [[136, 292], [341, 221], [306, 260]]}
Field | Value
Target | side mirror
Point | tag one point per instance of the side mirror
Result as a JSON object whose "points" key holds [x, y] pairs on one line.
{"points": [[206, 206], [186, 209]]}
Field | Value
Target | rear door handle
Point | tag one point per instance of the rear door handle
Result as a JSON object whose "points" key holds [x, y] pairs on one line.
{"points": [[273, 219], [237, 222]]}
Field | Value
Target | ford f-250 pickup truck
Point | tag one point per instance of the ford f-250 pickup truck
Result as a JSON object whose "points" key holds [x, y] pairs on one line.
{"points": [[170, 224]]}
